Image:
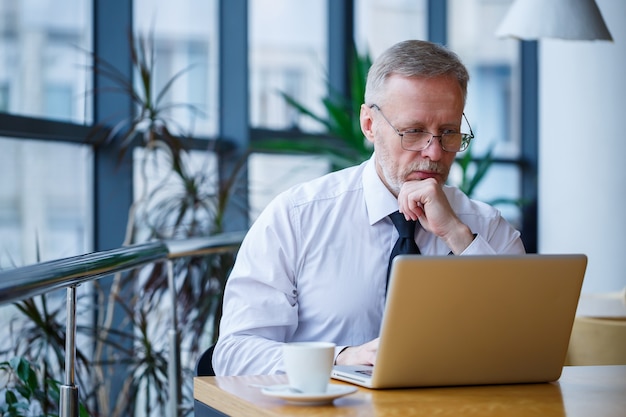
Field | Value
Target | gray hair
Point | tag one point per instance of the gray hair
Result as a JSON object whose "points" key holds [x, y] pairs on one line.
{"points": [[414, 58]]}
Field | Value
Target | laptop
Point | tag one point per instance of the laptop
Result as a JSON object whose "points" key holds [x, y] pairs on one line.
{"points": [[474, 320]]}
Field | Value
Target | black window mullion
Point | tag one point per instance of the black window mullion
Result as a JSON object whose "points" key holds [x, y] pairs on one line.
{"points": [[234, 119], [438, 21], [340, 41], [112, 184], [530, 142]]}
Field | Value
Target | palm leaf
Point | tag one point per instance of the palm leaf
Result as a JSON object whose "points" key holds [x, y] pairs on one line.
{"points": [[340, 120]]}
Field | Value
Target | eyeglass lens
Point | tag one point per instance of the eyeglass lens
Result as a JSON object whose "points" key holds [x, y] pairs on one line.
{"points": [[417, 141]]}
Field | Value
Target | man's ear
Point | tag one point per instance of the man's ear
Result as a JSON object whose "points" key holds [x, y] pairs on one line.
{"points": [[365, 118]]}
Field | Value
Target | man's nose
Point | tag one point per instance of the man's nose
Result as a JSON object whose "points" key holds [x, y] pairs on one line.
{"points": [[433, 151]]}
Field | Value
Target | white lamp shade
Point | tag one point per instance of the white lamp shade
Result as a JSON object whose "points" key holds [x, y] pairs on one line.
{"points": [[559, 19]]}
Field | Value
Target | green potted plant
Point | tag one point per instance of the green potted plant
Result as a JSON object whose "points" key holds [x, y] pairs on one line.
{"points": [[184, 202], [340, 120], [25, 391]]}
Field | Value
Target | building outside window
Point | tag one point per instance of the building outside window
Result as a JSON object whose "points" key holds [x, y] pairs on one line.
{"points": [[46, 200], [288, 54], [494, 97]]}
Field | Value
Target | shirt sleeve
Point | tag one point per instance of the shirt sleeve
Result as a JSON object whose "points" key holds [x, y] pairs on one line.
{"points": [[500, 239], [254, 328], [494, 235]]}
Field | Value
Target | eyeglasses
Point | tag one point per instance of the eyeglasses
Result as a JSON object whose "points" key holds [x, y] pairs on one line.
{"points": [[418, 140]]}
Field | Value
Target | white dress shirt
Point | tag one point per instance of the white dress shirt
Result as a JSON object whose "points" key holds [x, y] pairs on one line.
{"points": [[313, 266]]}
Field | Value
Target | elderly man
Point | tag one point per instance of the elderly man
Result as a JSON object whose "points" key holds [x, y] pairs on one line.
{"points": [[314, 264]]}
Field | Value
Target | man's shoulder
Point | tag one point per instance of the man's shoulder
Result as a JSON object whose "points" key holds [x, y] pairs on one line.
{"points": [[327, 187]]}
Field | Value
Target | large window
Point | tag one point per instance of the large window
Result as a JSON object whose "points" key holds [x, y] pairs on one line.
{"points": [[45, 198], [494, 95], [45, 207], [45, 214], [182, 39], [381, 23], [45, 72], [44, 195], [185, 45], [44, 55], [288, 54], [493, 105]]}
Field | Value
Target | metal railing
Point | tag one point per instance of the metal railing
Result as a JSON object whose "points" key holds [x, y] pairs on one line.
{"points": [[32, 280]]}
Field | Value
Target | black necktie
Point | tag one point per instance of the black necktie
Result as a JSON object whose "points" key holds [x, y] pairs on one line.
{"points": [[406, 241]]}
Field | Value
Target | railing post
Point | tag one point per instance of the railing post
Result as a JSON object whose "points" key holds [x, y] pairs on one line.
{"points": [[174, 340], [68, 394]]}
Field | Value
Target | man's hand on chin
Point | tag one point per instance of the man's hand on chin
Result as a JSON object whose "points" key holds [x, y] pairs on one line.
{"points": [[425, 201]]}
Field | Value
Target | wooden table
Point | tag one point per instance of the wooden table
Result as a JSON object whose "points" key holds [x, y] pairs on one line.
{"points": [[589, 391]]}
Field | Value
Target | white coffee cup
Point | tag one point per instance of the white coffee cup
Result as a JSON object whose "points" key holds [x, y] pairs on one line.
{"points": [[308, 365]]}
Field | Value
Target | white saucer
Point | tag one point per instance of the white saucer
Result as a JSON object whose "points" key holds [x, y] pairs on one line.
{"points": [[332, 392]]}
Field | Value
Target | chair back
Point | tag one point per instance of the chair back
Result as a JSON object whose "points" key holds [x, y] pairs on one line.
{"points": [[599, 332], [204, 365]]}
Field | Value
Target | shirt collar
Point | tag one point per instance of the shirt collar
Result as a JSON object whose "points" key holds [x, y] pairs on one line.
{"points": [[378, 199]]}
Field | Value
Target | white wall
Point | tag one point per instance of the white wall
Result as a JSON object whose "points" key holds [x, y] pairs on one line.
{"points": [[582, 150]]}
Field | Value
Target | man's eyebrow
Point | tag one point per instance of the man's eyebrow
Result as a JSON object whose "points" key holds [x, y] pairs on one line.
{"points": [[421, 125]]}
